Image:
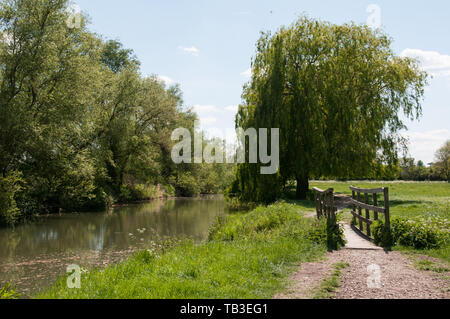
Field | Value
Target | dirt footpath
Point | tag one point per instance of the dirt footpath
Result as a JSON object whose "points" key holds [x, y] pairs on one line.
{"points": [[372, 274], [398, 277]]}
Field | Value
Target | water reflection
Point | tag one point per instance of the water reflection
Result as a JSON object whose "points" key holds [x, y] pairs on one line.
{"points": [[31, 256]]}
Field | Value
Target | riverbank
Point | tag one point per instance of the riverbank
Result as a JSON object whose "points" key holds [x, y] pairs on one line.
{"points": [[246, 256], [34, 255]]}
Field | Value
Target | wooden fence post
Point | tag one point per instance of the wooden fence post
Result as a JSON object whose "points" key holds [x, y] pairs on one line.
{"points": [[316, 199], [354, 206], [366, 198], [361, 227], [386, 207], [375, 203], [388, 234]]}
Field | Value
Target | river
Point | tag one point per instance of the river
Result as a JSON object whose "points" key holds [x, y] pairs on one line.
{"points": [[33, 255]]}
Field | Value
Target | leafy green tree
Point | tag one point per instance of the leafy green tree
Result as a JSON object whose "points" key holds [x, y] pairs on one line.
{"points": [[48, 82], [9, 186], [336, 93], [442, 164], [80, 127], [118, 58], [137, 125]]}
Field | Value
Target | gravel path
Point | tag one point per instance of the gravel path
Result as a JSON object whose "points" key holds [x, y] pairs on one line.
{"points": [[398, 277]]}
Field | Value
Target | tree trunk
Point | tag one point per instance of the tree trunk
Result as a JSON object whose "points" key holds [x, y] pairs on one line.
{"points": [[302, 187]]}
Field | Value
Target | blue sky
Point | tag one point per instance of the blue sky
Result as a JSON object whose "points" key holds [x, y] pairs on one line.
{"points": [[207, 46]]}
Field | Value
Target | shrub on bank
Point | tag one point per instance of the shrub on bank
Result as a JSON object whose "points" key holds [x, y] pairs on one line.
{"points": [[187, 186], [9, 187], [412, 233], [141, 192]]}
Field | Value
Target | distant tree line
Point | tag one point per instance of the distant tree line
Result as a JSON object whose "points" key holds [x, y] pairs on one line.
{"points": [[80, 127], [408, 169], [439, 170]]}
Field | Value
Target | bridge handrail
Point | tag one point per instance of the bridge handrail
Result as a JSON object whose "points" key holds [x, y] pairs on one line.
{"points": [[368, 191], [329, 190], [359, 205]]}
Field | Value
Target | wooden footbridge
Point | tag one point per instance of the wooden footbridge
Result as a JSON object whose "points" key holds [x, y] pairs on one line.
{"points": [[363, 200]]}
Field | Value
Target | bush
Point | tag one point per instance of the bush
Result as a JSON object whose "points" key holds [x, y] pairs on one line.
{"points": [[127, 194], [168, 190], [141, 192], [335, 233], [146, 192], [416, 234], [411, 233], [382, 235], [187, 186], [102, 199], [9, 187]]}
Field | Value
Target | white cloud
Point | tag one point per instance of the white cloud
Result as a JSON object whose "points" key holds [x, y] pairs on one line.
{"points": [[232, 108], [208, 120], [423, 145], [190, 50], [167, 80], [205, 109], [212, 109], [433, 62], [247, 73]]}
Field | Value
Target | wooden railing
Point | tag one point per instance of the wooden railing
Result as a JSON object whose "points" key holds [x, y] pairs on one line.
{"points": [[324, 202], [367, 199]]}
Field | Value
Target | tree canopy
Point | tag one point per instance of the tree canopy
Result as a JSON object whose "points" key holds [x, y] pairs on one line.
{"points": [[80, 127], [336, 92]]}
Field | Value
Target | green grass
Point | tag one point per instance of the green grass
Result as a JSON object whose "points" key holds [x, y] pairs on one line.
{"points": [[428, 265], [9, 292], [329, 285], [246, 256], [441, 253]]}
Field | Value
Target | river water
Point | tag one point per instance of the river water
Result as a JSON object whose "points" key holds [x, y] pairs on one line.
{"points": [[33, 255]]}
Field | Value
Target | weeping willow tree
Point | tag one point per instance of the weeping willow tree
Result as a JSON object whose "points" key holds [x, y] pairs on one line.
{"points": [[336, 92]]}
